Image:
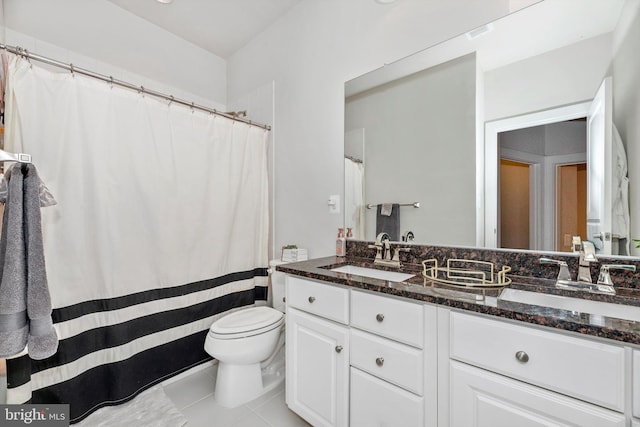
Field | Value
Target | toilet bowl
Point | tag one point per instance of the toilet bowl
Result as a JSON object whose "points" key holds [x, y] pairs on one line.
{"points": [[249, 347]]}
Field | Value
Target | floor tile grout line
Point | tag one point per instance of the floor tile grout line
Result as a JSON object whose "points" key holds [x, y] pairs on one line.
{"points": [[194, 402]]}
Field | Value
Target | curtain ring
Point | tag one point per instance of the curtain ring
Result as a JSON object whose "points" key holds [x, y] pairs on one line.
{"points": [[142, 91], [192, 105], [111, 81], [72, 70], [27, 57], [171, 98]]}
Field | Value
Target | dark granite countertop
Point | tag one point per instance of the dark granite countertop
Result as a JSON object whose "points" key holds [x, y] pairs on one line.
{"points": [[479, 300]]}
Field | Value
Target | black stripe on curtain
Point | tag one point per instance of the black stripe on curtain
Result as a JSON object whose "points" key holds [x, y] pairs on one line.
{"points": [[122, 380], [87, 307]]}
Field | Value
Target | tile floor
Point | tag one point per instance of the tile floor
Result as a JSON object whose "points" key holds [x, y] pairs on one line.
{"points": [[193, 396]]}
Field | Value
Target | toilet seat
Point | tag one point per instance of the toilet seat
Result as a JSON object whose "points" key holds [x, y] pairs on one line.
{"points": [[246, 322]]}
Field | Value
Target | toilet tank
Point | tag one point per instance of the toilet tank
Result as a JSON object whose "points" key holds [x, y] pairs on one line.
{"points": [[277, 285]]}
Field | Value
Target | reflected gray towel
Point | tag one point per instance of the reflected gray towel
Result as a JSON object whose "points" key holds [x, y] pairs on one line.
{"points": [[25, 303], [389, 224]]}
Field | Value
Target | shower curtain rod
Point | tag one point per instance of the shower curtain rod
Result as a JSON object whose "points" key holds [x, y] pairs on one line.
{"points": [[109, 79]]}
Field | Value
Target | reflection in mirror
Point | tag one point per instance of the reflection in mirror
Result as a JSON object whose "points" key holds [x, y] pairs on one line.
{"points": [[422, 124]]}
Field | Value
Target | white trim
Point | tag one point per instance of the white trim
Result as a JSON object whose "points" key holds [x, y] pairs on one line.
{"points": [[492, 129]]}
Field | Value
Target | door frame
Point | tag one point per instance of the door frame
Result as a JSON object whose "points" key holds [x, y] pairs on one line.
{"points": [[492, 158]]}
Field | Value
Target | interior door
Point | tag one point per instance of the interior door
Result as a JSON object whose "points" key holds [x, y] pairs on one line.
{"points": [[600, 167]]}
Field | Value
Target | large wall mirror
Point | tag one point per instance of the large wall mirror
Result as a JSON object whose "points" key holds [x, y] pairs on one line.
{"points": [[520, 134]]}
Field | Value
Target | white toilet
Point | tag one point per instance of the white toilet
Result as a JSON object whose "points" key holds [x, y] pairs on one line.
{"points": [[249, 347]]}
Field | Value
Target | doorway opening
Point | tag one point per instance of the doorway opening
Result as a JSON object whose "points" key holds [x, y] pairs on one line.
{"points": [[543, 185], [538, 140]]}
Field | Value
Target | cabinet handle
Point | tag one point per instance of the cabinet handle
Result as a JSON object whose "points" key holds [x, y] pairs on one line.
{"points": [[379, 317], [522, 356], [338, 348], [380, 361], [312, 299]]}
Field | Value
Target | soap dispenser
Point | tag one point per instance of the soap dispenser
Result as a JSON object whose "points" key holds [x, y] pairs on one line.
{"points": [[341, 243]]}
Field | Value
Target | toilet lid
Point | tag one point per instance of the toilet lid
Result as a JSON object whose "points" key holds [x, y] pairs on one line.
{"points": [[247, 320]]}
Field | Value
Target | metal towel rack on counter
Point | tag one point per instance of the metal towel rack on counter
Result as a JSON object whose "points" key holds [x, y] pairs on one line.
{"points": [[414, 204]]}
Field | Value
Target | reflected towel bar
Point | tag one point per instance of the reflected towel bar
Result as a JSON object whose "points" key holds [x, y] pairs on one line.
{"points": [[414, 204]]}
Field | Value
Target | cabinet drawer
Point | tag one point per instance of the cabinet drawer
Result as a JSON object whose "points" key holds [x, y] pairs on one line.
{"points": [[325, 300], [636, 383], [579, 367], [481, 398], [390, 317], [394, 362], [377, 403]]}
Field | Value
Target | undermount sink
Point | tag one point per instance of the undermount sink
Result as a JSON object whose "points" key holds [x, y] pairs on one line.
{"points": [[392, 276], [618, 311]]}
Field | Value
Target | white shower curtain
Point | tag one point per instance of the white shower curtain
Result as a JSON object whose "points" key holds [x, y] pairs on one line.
{"points": [[354, 197], [161, 209]]}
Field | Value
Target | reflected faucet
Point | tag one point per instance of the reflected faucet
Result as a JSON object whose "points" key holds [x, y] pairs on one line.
{"points": [[383, 251]]}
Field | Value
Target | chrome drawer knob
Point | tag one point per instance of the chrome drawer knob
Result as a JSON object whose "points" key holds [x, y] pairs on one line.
{"points": [[338, 348], [380, 361], [379, 317], [522, 356], [312, 299]]}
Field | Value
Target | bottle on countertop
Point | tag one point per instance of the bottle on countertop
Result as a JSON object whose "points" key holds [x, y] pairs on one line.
{"points": [[349, 233], [341, 243]]}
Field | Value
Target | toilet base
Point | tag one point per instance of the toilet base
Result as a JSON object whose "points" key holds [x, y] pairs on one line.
{"points": [[239, 384]]}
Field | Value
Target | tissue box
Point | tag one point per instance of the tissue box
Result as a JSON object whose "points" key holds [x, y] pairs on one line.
{"points": [[293, 255]]}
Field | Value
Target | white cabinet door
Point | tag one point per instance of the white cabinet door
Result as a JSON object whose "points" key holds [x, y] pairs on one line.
{"points": [[317, 372], [375, 402], [484, 399]]}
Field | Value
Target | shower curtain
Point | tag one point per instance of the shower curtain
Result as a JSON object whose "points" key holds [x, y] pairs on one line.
{"points": [[354, 213], [161, 226]]}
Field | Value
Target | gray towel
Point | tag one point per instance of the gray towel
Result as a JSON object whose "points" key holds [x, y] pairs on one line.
{"points": [[25, 303], [389, 224]]}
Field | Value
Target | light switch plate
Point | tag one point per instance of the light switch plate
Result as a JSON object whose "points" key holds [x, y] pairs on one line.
{"points": [[334, 204]]}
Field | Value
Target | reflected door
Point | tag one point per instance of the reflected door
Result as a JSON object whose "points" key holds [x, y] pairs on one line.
{"points": [[514, 204], [571, 218]]}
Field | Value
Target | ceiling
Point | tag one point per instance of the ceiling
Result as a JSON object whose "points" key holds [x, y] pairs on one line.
{"points": [[219, 26]]}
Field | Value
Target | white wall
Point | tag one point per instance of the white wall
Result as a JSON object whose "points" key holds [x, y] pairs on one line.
{"points": [[563, 76], [626, 103], [102, 37], [310, 53], [420, 147]]}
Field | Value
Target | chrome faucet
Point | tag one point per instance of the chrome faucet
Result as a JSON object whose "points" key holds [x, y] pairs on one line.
{"points": [[605, 284], [587, 256]]}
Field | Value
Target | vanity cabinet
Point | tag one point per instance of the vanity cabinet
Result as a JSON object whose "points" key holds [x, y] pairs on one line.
{"points": [[387, 363], [317, 352], [504, 374], [359, 359], [483, 398]]}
